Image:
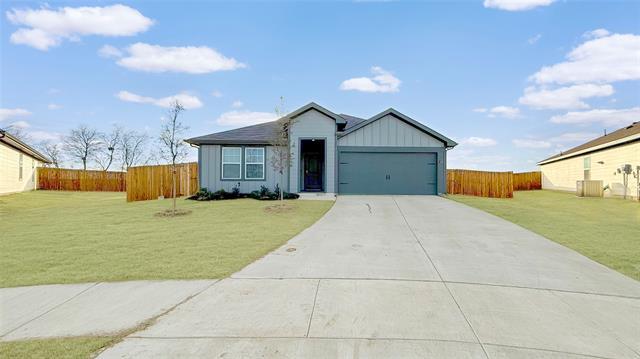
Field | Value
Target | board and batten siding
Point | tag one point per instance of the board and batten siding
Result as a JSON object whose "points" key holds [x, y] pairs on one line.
{"points": [[210, 159], [314, 124], [563, 174], [389, 131]]}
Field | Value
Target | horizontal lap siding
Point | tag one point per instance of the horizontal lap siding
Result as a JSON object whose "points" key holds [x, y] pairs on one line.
{"points": [[210, 159], [389, 131]]}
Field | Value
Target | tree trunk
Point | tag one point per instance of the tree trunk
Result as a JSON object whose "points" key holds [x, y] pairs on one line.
{"points": [[282, 185], [173, 188]]}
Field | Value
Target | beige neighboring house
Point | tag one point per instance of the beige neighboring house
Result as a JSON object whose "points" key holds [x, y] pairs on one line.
{"points": [[598, 159], [18, 163]]}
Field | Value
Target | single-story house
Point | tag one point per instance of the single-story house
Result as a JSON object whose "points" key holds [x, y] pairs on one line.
{"points": [[388, 153], [598, 159], [18, 163]]}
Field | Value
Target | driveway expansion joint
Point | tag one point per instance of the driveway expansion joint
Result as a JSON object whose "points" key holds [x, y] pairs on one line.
{"points": [[315, 298]]}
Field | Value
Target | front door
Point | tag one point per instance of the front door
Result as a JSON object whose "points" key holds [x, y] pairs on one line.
{"points": [[312, 172]]}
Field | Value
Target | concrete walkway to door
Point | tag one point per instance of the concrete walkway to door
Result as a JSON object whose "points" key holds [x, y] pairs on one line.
{"points": [[406, 276]]}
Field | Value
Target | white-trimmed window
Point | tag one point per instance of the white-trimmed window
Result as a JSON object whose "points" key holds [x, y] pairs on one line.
{"points": [[232, 163], [20, 160], [254, 163]]}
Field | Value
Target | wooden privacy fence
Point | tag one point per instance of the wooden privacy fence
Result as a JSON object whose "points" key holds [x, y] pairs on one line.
{"points": [[151, 182], [480, 183], [62, 179], [527, 181]]}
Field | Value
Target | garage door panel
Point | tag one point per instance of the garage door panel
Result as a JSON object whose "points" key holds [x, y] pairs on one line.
{"points": [[387, 173]]}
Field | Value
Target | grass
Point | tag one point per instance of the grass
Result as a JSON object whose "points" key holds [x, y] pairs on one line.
{"points": [[605, 230], [59, 348], [72, 237]]}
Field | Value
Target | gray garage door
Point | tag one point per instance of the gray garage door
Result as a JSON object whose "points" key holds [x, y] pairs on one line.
{"points": [[387, 173]]}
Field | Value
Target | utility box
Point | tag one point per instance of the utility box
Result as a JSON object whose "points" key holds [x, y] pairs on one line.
{"points": [[589, 188]]}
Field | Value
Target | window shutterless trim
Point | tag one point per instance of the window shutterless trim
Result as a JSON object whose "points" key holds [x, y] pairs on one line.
{"points": [[222, 163], [262, 163]]}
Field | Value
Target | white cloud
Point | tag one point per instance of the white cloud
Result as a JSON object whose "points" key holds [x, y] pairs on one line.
{"points": [[216, 94], [504, 111], [54, 106], [9, 113], [479, 142], [574, 137], [109, 51], [188, 59], [533, 40], [564, 98], [528, 143], [602, 60], [381, 81], [237, 104], [595, 34], [38, 136], [186, 100], [244, 118], [20, 124], [607, 117], [480, 110], [45, 27], [516, 5]]}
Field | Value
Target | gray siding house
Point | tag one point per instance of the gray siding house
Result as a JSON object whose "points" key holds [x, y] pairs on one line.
{"points": [[388, 153]]}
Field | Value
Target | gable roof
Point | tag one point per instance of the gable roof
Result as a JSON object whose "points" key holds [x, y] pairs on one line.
{"points": [[351, 120], [16, 143], [623, 135], [260, 134], [447, 141]]}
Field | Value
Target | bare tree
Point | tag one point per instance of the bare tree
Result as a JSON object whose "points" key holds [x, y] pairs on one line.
{"points": [[282, 151], [132, 147], [172, 146], [82, 143], [53, 151], [108, 148], [18, 132]]}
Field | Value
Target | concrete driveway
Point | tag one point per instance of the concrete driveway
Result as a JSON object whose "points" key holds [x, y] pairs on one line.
{"points": [[406, 276]]}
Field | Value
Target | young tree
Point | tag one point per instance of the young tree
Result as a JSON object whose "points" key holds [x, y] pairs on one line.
{"points": [[173, 149], [282, 149], [132, 147], [82, 143], [108, 149], [53, 151]]}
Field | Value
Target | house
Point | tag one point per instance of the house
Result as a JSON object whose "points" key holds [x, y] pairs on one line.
{"points": [[18, 163], [388, 153], [598, 159]]}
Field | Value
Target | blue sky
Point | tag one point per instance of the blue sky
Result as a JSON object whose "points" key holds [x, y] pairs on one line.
{"points": [[512, 85]]}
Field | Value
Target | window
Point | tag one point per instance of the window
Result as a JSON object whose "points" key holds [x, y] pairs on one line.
{"points": [[33, 170], [231, 162], [254, 163], [20, 168], [587, 168]]}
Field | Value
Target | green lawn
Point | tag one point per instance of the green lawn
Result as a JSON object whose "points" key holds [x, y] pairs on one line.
{"points": [[605, 230], [71, 237], [59, 348]]}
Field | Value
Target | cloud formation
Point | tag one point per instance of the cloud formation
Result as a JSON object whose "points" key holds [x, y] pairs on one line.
{"points": [[186, 59], [381, 81], [186, 100], [516, 5], [244, 118], [11, 113], [479, 142], [607, 117], [529, 143], [45, 28], [564, 98]]}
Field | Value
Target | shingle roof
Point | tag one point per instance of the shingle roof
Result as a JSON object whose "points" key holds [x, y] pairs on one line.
{"points": [[259, 134], [620, 134], [351, 120], [16, 143]]}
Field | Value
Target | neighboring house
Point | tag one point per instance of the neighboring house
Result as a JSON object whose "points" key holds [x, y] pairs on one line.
{"points": [[388, 153], [598, 159], [18, 163]]}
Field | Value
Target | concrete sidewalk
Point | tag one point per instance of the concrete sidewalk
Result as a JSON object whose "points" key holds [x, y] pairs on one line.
{"points": [[408, 277]]}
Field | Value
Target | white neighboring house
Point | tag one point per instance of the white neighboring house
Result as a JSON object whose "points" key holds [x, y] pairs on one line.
{"points": [[598, 159], [18, 163]]}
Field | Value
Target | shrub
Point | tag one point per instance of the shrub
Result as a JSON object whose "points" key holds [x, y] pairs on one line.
{"points": [[263, 194]]}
